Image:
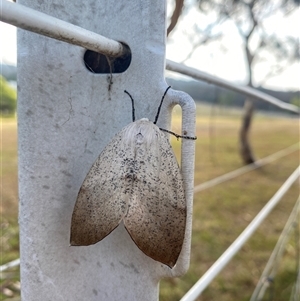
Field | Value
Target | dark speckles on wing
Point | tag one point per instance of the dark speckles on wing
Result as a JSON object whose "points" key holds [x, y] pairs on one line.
{"points": [[135, 179]]}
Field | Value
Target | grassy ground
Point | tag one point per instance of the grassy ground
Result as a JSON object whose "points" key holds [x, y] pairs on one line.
{"points": [[220, 213], [9, 239]]}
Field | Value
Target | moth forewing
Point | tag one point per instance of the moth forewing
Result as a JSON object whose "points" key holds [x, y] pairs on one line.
{"points": [[156, 215], [136, 179], [100, 207]]}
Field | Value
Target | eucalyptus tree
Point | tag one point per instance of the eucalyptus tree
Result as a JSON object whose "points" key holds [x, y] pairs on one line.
{"points": [[259, 42]]}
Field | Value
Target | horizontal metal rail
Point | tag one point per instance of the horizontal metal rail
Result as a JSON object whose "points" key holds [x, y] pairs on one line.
{"points": [[269, 273], [224, 259], [9, 265], [35, 21], [244, 169], [250, 92]]}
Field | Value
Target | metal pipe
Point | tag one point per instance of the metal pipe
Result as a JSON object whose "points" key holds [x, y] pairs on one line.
{"points": [[9, 265], [35, 21], [240, 171], [272, 266], [200, 75], [217, 267]]}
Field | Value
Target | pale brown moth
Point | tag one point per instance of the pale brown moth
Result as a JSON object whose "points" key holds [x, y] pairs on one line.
{"points": [[135, 180]]}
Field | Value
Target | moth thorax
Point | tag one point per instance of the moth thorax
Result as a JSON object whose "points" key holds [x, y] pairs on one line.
{"points": [[141, 132]]}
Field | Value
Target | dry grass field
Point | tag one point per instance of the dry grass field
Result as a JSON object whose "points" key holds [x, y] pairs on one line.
{"points": [[220, 213]]}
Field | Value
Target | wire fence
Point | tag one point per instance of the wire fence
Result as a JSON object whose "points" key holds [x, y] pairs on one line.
{"points": [[267, 278], [40, 23], [43, 24], [217, 267], [247, 91], [240, 171]]}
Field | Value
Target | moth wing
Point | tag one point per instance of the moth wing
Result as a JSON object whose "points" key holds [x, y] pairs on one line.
{"points": [[156, 217], [101, 204]]}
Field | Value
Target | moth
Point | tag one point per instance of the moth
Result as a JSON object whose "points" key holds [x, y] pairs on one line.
{"points": [[135, 180]]}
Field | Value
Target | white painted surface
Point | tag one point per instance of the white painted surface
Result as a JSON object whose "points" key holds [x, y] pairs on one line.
{"points": [[66, 115]]}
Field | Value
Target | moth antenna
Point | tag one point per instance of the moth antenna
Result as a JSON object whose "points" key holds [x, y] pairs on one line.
{"points": [[178, 136], [132, 101], [158, 111]]}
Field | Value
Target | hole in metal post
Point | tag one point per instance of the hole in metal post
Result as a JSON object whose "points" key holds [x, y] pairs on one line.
{"points": [[99, 63]]}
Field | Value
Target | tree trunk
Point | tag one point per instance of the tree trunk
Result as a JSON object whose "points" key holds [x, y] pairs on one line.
{"points": [[175, 16], [245, 148]]}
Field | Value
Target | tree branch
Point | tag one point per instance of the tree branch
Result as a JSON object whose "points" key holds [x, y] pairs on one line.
{"points": [[175, 16]]}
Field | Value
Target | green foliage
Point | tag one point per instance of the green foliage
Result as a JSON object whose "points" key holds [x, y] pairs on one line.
{"points": [[296, 101], [8, 98]]}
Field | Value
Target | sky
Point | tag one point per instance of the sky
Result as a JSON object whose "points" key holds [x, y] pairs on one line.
{"points": [[8, 44], [224, 59]]}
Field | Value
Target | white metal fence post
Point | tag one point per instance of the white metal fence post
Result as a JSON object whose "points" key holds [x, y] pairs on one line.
{"points": [[66, 115]]}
